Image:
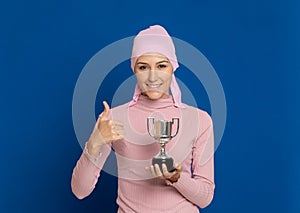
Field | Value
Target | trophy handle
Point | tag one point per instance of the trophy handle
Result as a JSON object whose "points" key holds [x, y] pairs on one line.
{"points": [[173, 119], [148, 128]]}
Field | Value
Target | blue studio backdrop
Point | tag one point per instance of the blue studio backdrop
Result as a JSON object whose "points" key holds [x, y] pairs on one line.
{"points": [[253, 46]]}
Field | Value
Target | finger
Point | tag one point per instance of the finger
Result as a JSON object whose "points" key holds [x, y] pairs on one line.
{"points": [[148, 169], [117, 137], [120, 134], [117, 128], [174, 178], [106, 110], [178, 168], [157, 171], [114, 124], [117, 124], [117, 131], [152, 171], [166, 173]]}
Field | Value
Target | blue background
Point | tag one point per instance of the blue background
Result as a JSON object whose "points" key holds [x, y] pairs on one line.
{"points": [[253, 45]]}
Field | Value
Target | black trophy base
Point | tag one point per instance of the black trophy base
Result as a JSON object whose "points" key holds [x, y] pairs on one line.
{"points": [[167, 160]]}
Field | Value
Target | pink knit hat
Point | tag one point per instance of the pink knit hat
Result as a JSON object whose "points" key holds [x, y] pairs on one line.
{"points": [[156, 39]]}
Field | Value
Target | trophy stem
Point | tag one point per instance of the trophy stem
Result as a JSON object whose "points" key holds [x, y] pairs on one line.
{"points": [[162, 150]]}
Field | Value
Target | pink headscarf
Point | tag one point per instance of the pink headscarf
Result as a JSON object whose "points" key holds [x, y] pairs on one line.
{"points": [[156, 39]]}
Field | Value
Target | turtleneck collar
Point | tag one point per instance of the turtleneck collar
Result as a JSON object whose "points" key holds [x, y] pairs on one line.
{"points": [[145, 101]]}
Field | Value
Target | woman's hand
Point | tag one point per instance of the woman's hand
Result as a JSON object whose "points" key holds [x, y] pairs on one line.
{"points": [[105, 131], [165, 174]]}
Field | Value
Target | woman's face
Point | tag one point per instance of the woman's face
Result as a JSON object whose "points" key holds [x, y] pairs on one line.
{"points": [[154, 74]]}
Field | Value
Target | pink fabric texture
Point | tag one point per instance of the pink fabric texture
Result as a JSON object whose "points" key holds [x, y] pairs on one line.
{"points": [[156, 39], [138, 191]]}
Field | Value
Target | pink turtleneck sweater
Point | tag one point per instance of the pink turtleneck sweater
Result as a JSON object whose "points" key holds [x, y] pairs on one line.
{"points": [[138, 191]]}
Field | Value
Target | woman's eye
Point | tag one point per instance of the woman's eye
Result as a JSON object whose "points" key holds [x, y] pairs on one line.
{"points": [[162, 66], [142, 67]]}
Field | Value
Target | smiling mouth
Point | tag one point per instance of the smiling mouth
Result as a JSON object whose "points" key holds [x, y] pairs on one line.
{"points": [[153, 86]]}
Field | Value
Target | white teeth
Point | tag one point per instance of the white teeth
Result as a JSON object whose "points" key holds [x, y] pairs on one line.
{"points": [[153, 85]]}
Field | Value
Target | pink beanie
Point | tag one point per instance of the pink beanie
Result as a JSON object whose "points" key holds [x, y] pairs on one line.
{"points": [[156, 39]]}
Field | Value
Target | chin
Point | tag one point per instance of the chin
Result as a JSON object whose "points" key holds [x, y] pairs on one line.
{"points": [[155, 95]]}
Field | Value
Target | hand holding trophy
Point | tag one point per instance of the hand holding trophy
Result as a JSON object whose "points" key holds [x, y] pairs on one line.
{"points": [[161, 131]]}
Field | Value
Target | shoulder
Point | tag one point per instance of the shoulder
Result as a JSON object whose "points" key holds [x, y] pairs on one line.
{"points": [[203, 117], [120, 107], [119, 111]]}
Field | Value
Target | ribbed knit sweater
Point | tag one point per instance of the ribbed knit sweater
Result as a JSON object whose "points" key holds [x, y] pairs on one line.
{"points": [[138, 190]]}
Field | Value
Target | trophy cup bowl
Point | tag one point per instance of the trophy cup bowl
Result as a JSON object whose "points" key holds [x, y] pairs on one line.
{"points": [[161, 131]]}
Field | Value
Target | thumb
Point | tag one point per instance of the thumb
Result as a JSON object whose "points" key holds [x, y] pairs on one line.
{"points": [[105, 113], [178, 167]]}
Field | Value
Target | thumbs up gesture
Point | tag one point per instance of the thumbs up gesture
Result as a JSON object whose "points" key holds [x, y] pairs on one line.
{"points": [[105, 131]]}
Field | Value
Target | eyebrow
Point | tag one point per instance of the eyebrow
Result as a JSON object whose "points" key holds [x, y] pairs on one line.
{"points": [[163, 61]]}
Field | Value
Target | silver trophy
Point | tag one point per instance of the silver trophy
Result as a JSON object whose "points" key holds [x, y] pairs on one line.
{"points": [[161, 131]]}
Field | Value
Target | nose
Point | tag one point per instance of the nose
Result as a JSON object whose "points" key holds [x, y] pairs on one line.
{"points": [[152, 77]]}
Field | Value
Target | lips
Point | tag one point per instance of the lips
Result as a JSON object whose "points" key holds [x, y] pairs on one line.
{"points": [[153, 86]]}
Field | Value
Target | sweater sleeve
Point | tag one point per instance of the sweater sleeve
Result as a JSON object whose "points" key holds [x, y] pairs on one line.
{"points": [[87, 171], [199, 188]]}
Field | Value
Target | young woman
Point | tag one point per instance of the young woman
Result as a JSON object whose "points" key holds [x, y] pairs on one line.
{"points": [[143, 187]]}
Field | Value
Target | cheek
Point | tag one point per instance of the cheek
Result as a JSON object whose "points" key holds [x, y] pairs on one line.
{"points": [[166, 77], [167, 83], [141, 77]]}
